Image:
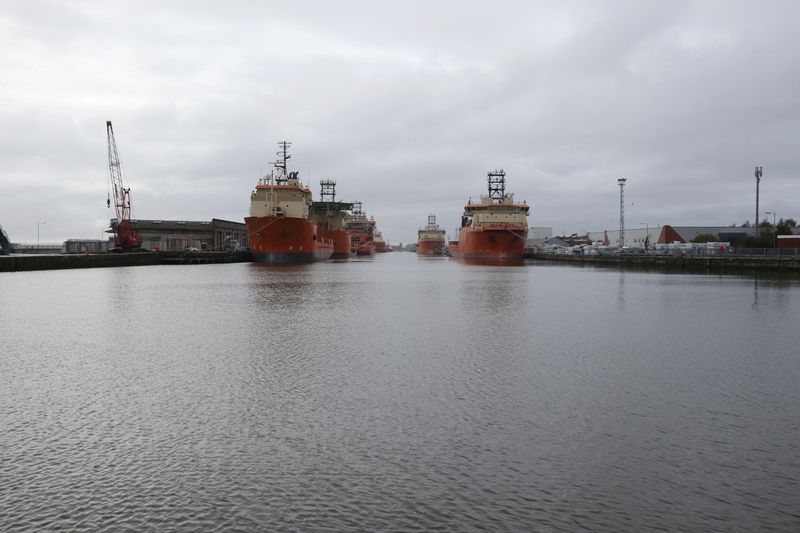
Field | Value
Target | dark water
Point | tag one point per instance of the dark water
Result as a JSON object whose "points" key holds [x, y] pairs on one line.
{"points": [[400, 393]]}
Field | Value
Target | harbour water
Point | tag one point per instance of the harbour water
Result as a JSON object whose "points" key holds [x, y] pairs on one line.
{"points": [[398, 393]]}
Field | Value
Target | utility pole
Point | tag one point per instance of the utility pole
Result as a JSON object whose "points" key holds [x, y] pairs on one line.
{"points": [[758, 181], [621, 182]]}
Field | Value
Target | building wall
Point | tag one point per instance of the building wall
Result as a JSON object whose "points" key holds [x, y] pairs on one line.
{"points": [[668, 234], [633, 236], [226, 233], [788, 241], [540, 232], [85, 246], [177, 235]]}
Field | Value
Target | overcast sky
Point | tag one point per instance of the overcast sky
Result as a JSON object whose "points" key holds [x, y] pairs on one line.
{"points": [[406, 104]]}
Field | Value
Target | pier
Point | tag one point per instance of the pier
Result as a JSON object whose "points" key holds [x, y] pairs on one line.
{"points": [[18, 263], [716, 263]]}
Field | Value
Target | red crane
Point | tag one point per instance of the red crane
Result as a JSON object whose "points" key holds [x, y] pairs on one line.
{"points": [[125, 238]]}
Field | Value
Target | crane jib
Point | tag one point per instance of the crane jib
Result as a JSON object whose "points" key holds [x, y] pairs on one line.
{"points": [[125, 237]]}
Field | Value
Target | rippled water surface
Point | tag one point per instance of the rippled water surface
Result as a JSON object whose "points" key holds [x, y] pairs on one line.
{"points": [[399, 393]]}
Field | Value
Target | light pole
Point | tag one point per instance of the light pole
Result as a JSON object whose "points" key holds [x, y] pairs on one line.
{"points": [[621, 183], [774, 229], [38, 224], [758, 180]]}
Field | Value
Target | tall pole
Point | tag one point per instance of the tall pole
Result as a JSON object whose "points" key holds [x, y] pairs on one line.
{"points": [[621, 182], [38, 224], [758, 181]]}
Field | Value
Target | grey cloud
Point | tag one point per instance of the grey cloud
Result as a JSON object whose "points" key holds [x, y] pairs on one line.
{"points": [[407, 105]]}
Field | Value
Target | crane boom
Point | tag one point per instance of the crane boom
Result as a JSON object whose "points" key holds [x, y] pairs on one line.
{"points": [[125, 238]]}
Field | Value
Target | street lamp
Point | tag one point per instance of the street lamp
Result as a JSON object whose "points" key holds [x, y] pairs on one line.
{"points": [[774, 229], [758, 180], [38, 224]]}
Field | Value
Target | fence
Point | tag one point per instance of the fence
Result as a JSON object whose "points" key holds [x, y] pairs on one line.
{"points": [[688, 250]]}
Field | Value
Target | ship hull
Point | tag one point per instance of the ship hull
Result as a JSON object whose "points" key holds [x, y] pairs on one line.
{"points": [[489, 243], [360, 243], [286, 240], [365, 249], [341, 242], [430, 247]]}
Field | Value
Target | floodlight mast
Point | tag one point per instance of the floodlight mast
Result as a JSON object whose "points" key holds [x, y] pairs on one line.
{"points": [[621, 182]]}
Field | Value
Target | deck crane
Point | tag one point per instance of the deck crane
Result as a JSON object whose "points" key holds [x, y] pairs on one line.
{"points": [[125, 238]]}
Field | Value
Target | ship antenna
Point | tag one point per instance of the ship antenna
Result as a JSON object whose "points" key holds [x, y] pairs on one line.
{"points": [[497, 185], [283, 157]]}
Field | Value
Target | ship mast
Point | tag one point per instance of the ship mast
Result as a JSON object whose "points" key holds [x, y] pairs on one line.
{"points": [[280, 163], [497, 185], [327, 190], [431, 221]]}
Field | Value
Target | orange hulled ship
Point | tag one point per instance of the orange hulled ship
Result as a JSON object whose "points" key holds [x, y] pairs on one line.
{"points": [[380, 244], [361, 231], [331, 218], [431, 238], [280, 227], [495, 228]]}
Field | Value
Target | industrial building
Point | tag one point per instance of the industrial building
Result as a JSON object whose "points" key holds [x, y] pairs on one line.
{"points": [[788, 241], [177, 235], [667, 234], [86, 246]]}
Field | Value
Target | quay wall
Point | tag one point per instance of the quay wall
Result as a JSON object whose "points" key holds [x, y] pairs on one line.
{"points": [[19, 263], [731, 264]]}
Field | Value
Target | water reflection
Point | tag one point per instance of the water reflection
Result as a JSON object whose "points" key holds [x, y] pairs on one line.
{"points": [[755, 295], [489, 262], [397, 394], [492, 290]]}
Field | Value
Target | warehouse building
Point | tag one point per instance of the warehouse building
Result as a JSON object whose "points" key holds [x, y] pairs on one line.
{"points": [[788, 241], [177, 235], [666, 234]]}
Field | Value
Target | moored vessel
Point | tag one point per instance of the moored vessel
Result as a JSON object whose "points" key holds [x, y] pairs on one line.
{"points": [[331, 218], [280, 227], [495, 228], [361, 231], [380, 244], [431, 238]]}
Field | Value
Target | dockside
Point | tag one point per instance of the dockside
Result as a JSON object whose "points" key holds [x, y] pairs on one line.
{"points": [[19, 263], [731, 264]]}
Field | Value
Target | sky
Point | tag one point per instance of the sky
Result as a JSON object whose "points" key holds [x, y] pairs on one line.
{"points": [[405, 104]]}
